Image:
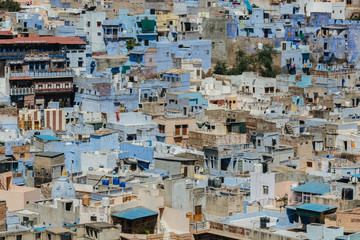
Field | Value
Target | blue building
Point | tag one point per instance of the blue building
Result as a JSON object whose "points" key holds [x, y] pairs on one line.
{"points": [[100, 140]]}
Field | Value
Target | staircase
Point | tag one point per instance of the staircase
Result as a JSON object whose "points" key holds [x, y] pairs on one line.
{"points": [[289, 128]]}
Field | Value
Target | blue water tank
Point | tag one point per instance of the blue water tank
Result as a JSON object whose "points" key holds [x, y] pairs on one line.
{"points": [[122, 184], [105, 182], [116, 181]]}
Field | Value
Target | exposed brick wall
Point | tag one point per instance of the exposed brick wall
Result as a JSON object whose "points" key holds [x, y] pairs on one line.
{"points": [[200, 139], [2, 216]]}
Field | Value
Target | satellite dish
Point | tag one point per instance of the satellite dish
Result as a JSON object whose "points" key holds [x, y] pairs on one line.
{"points": [[13, 104], [354, 179]]}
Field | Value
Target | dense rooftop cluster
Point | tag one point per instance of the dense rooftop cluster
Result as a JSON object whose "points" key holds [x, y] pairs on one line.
{"points": [[176, 119]]}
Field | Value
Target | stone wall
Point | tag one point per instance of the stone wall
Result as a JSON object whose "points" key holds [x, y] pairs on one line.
{"points": [[2, 216]]}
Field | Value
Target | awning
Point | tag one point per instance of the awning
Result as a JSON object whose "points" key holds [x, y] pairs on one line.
{"points": [[249, 7]]}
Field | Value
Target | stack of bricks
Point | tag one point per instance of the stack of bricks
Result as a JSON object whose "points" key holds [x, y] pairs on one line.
{"points": [[2, 216]]}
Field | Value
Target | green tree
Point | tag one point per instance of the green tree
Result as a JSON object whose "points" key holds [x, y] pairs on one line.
{"points": [[10, 5], [260, 62], [265, 59], [242, 63], [130, 44], [220, 68]]}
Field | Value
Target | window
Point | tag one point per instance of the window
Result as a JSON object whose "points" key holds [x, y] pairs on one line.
{"points": [[99, 34], [309, 164], [22, 155], [37, 235], [265, 190], [18, 237], [68, 206], [98, 24], [185, 129], [177, 130], [93, 218], [49, 236], [161, 128], [89, 23], [198, 210]]}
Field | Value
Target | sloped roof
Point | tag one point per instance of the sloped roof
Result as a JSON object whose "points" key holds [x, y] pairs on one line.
{"points": [[37, 40], [313, 187], [135, 213], [314, 207]]}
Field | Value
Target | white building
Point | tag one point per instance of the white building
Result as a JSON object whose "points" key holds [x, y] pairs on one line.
{"points": [[97, 159]]}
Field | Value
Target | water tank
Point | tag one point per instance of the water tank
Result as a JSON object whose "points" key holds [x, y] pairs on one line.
{"points": [[210, 182], [258, 168], [116, 181], [264, 167], [105, 202], [347, 194], [105, 182], [76, 108], [264, 221], [122, 184], [85, 200], [217, 182], [222, 179], [260, 46]]}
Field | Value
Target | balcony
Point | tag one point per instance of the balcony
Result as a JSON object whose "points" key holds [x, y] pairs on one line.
{"points": [[111, 36], [41, 74], [21, 91], [52, 90]]}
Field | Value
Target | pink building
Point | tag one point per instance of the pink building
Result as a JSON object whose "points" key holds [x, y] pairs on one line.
{"points": [[16, 197]]}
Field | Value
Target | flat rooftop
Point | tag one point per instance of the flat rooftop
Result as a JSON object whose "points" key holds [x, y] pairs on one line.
{"points": [[49, 154]]}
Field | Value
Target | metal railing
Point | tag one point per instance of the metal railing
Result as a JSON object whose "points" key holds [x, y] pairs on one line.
{"points": [[21, 91], [42, 74]]}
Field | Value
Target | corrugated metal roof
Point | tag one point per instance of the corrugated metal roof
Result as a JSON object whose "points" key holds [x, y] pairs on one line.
{"points": [[6, 33], [48, 137], [314, 207], [313, 187], [135, 213], [37, 40]]}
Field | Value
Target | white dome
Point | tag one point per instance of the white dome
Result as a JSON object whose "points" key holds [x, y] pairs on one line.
{"points": [[63, 187]]}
